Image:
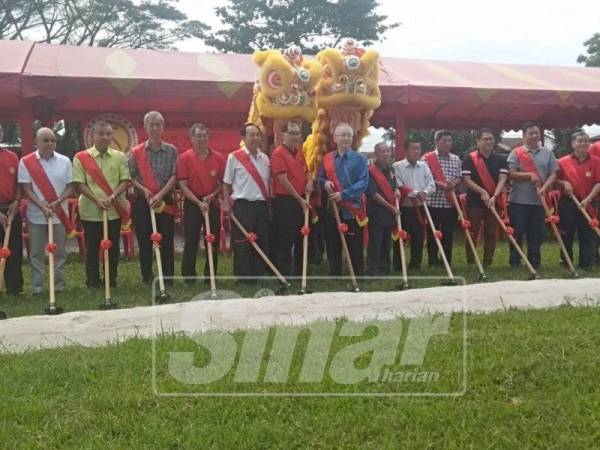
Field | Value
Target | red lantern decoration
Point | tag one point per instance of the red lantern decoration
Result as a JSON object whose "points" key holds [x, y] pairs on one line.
{"points": [[403, 235], [252, 237], [343, 228], [465, 224], [594, 223], [105, 244], [552, 220], [438, 235], [156, 238], [305, 230], [510, 231], [210, 238], [51, 248], [4, 252]]}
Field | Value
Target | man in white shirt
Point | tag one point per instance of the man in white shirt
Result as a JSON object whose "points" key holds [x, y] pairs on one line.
{"points": [[46, 177], [415, 182], [247, 180]]}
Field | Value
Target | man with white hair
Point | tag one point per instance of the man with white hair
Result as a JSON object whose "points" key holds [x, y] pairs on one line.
{"points": [[345, 177], [46, 177], [153, 168]]}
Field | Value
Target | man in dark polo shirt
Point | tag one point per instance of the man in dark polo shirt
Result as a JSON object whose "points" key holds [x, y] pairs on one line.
{"points": [[10, 198], [153, 165], [485, 174], [381, 211], [290, 185], [200, 174]]}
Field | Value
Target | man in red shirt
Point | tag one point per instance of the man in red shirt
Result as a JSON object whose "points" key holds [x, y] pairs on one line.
{"points": [[200, 175], [578, 175], [10, 197], [290, 185], [595, 149]]}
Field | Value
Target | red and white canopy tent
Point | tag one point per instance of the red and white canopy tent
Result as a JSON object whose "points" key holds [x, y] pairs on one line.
{"points": [[52, 82]]}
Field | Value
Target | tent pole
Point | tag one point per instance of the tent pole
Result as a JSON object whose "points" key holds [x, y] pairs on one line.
{"points": [[26, 126], [400, 126]]}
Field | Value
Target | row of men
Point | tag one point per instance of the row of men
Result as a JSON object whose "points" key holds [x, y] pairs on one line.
{"points": [[268, 195], [529, 173]]}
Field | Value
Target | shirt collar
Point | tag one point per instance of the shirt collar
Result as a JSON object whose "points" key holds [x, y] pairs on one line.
{"points": [[250, 154], [533, 150], [293, 152], [437, 153], [161, 149], [207, 156], [407, 163], [587, 156], [382, 167], [96, 152], [38, 155]]}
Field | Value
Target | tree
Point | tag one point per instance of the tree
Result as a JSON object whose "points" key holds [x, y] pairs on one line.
{"points": [[312, 24], [156, 24], [592, 59]]}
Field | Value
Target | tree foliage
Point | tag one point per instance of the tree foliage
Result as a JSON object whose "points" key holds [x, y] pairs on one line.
{"points": [[156, 24], [592, 58], [251, 25]]}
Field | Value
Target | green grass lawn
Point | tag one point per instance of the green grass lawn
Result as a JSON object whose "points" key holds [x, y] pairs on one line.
{"points": [[531, 383], [131, 292]]}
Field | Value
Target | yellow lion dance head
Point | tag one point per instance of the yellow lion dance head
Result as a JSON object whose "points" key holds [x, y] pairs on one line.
{"points": [[284, 90], [348, 91]]}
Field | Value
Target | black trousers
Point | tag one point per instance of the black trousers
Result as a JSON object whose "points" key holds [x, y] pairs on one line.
{"points": [[416, 230], [286, 241], [444, 220], [193, 219], [571, 220], [529, 221], [378, 250], [165, 223], [255, 217], [13, 272], [93, 235], [354, 238]]}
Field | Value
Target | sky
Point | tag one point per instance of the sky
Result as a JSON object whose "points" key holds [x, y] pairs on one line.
{"points": [[506, 31], [502, 31]]}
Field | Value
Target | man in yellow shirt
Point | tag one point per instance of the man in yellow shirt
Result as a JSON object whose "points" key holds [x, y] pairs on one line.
{"points": [[100, 175]]}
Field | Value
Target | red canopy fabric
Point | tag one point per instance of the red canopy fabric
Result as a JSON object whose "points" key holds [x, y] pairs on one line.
{"points": [[469, 95], [14, 56], [421, 93]]}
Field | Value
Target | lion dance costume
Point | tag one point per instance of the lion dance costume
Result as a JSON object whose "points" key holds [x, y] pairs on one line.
{"points": [[285, 89], [348, 91]]}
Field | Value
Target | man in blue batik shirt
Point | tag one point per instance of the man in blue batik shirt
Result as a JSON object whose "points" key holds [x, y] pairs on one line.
{"points": [[345, 177]]}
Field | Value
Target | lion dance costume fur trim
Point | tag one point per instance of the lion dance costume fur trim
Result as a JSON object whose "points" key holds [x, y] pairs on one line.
{"points": [[348, 91], [285, 89]]}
